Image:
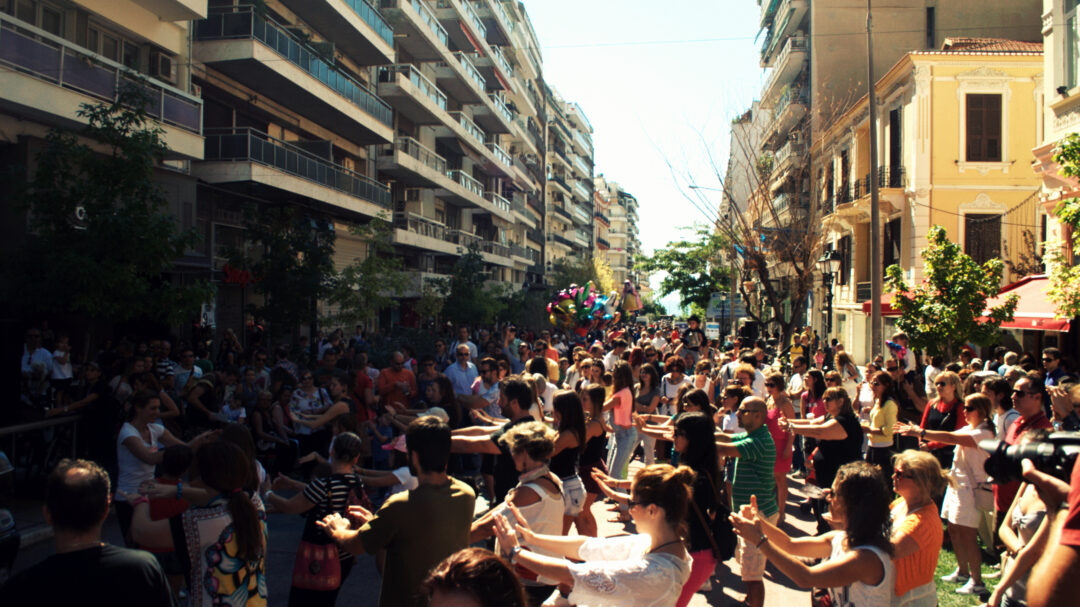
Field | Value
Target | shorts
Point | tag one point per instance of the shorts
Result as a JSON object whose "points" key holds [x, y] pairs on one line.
{"points": [[751, 560], [958, 507], [573, 495]]}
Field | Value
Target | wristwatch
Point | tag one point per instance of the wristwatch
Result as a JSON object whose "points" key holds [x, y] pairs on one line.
{"points": [[516, 550]]}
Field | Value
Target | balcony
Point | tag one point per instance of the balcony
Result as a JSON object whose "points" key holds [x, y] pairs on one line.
{"points": [[602, 218], [413, 164], [501, 62], [602, 243], [414, 95], [47, 77], [414, 230], [265, 56], [582, 216], [560, 154], [461, 79], [417, 30], [785, 18], [499, 25], [790, 109], [582, 167], [462, 22], [467, 191], [248, 156], [559, 240], [582, 238], [535, 235], [789, 157], [562, 213], [583, 193], [583, 145], [471, 129], [530, 256], [496, 249], [498, 201], [501, 156], [494, 116], [787, 66], [560, 183], [356, 27]]}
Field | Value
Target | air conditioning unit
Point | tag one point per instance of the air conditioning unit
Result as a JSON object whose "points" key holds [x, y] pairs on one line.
{"points": [[162, 67]]}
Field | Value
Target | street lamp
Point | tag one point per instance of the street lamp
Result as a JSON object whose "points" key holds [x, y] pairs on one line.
{"points": [[830, 265]]}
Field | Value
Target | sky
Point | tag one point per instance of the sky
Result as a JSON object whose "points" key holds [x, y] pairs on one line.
{"points": [[660, 83]]}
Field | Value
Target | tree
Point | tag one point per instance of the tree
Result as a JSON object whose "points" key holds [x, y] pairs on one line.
{"points": [[1064, 275], [568, 271], [948, 309], [468, 298], [692, 267], [367, 286], [291, 261], [102, 242]]}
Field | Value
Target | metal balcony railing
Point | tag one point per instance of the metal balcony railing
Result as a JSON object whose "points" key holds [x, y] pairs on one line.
{"points": [[497, 200], [501, 61], [791, 95], [582, 166], [370, 15], [559, 239], [470, 69], [49, 58], [500, 154], [420, 152], [424, 226], [583, 191], [474, 17], [422, 82], [562, 212], [524, 252], [495, 248], [244, 22], [470, 127], [431, 21], [500, 107], [246, 144], [602, 217], [560, 181], [468, 181], [603, 242]]}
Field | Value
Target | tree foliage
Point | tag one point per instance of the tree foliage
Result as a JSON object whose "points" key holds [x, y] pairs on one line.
{"points": [[1064, 290], [948, 308], [692, 267], [568, 271], [367, 286], [468, 297], [101, 238]]}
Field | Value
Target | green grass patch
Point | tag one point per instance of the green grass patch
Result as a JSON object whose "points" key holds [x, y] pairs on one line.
{"points": [[946, 592]]}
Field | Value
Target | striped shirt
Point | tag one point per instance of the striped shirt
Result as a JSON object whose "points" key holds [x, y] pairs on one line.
{"points": [[329, 494], [754, 470]]}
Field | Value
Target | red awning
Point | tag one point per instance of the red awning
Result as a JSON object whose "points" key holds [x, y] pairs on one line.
{"points": [[886, 306], [1034, 312]]}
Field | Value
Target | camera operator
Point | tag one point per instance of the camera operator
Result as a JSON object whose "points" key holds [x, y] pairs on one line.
{"points": [[1055, 580]]}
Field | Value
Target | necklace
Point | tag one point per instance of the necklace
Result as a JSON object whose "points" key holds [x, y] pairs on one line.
{"points": [[532, 475], [665, 544]]}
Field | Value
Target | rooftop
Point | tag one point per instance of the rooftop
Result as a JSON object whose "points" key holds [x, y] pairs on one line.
{"points": [[961, 44]]}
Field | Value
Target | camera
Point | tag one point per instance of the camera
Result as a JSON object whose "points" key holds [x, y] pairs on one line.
{"points": [[1055, 456]]}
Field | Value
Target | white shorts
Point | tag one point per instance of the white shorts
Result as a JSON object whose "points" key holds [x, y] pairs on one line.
{"points": [[958, 507], [573, 495], [751, 560]]}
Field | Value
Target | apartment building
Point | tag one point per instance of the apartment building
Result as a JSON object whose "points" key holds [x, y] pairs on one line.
{"points": [[569, 200], [955, 126], [56, 56], [617, 214]]}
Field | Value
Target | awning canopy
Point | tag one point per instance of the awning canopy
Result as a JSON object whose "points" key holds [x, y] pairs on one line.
{"points": [[886, 306], [1034, 311]]}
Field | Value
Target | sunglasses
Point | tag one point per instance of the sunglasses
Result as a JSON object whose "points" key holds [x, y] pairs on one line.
{"points": [[875, 383], [970, 409], [892, 369], [942, 384], [832, 381], [899, 474], [769, 385], [1019, 392], [463, 355]]}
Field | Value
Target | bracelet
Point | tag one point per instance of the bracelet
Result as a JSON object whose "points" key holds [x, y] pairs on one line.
{"points": [[179, 490], [514, 552], [922, 435], [142, 499], [764, 538]]}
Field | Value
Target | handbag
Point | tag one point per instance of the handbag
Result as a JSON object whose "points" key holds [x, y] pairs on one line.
{"points": [[317, 567], [721, 534]]}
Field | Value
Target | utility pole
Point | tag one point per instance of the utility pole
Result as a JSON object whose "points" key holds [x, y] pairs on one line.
{"points": [[875, 212]]}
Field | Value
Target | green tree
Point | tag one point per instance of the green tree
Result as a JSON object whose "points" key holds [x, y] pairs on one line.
{"points": [[1064, 290], [291, 260], [692, 266], [468, 298], [948, 309], [102, 241], [569, 270], [367, 286]]}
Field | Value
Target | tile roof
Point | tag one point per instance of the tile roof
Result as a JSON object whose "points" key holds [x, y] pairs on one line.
{"points": [[990, 45]]}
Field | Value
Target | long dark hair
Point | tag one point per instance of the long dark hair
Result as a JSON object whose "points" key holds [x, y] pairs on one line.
{"points": [[622, 376], [225, 469], [819, 383], [571, 415], [862, 489], [700, 451], [654, 378], [597, 395]]}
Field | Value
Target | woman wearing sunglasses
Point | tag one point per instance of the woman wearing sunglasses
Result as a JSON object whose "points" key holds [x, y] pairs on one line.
{"points": [[946, 413], [972, 499], [916, 527]]}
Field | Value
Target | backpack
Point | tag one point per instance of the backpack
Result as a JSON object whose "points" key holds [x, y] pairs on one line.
{"points": [[721, 534]]}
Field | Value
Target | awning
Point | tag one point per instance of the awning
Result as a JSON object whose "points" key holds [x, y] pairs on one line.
{"points": [[886, 306], [1034, 312]]}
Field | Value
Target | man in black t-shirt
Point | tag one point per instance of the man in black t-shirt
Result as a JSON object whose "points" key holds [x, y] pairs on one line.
{"points": [[911, 398], [84, 567], [693, 338]]}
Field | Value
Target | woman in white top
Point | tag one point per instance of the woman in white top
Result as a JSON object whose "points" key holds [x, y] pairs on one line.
{"points": [[856, 565], [643, 570], [140, 447], [963, 507], [536, 501]]}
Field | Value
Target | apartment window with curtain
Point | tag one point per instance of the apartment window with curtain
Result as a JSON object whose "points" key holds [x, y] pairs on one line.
{"points": [[891, 251], [844, 247], [1072, 44], [983, 120], [982, 236]]}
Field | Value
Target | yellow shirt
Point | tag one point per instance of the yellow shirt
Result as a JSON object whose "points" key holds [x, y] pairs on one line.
{"points": [[883, 417]]}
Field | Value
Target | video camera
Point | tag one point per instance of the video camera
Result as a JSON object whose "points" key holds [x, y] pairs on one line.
{"points": [[1055, 456]]}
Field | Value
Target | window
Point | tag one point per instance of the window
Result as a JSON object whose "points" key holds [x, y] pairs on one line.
{"points": [[983, 114], [982, 236], [1072, 44], [844, 247], [890, 254], [931, 35]]}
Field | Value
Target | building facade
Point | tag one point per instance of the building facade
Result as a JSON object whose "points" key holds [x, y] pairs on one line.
{"points": [[618, 217]]}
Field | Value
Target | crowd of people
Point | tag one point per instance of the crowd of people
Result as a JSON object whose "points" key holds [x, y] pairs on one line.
{"points": [[193, 452]]}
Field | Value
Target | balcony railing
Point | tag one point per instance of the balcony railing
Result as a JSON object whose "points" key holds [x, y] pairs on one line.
{"points": [[790, 150], [246, 144], [500, 106], [584, 192], [501, 155], [470, 127], [474, 17], [603, 242], [243, 22], [418, 151], [500, 59], [468, 181], [582, 166], [563, 212], [52, 59], [560, 181], [584, 237], [497, 200], [524, 252], [470, 69], [495, 248], [424, 226], [887, 177], [430, 20], [793, 44], [582, 214], [584, 143], [559, 239], [790, 95], [502, 15], [422, 82], [371, 16], [602, 217]]}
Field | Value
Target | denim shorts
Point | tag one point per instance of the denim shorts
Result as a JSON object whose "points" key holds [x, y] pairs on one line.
{"points": [[573, 495]]}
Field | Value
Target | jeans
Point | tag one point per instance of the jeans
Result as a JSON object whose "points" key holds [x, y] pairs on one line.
{"points": [[648, 444], [625, 441]]}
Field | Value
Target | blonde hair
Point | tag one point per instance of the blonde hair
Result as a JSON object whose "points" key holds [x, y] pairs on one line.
{"points": [[925, 471], [953, 379], [534, 439]]}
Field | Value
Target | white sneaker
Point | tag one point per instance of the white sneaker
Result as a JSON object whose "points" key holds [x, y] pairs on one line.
{"points": [[971, 588], [555, 600], [955, 577]]}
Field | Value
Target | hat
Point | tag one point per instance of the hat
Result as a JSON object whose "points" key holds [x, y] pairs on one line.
{"points": [[398, 444], [438, 412]]}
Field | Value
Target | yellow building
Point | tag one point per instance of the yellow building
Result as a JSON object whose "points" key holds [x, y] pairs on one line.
{"points": [[955, 131]]}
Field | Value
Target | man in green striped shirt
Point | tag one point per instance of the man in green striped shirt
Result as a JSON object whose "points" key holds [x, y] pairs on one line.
{"points": [[756, 454]]}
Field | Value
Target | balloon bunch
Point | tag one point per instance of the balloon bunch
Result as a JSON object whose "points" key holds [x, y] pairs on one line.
{"points": [[583, 309]]}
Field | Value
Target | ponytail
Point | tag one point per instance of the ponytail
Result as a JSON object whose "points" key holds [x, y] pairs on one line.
{"points": [[224, 467]]}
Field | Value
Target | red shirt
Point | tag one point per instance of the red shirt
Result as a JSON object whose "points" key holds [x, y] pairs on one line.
{"points": [[943, 408], [1006, 492], [1070, 534]]}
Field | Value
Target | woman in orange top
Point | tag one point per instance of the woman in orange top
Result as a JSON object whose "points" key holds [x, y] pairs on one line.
{"points": [[917, 534]]}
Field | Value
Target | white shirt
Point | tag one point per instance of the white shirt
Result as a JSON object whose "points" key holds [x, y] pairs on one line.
{"points": [[406, 481], [621, 572], [931, 374], [132, 471], [61, 371], [610, 359], [39, 356]]}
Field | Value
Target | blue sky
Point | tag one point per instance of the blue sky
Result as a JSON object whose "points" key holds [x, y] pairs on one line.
{"points": [[660, 83]]}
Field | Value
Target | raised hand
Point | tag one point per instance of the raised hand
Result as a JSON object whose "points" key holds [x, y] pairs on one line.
{"points": [[360, 514], [504, 532], [336, 526], [528, 536]]}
